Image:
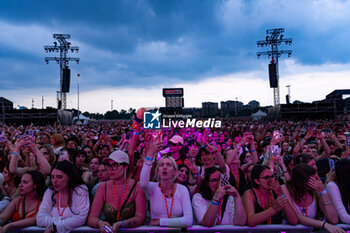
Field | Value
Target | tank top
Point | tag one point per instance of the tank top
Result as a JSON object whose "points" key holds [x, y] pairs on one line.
{"points": [[275, 219], [311, 209], [19, 215], [128, 209]]}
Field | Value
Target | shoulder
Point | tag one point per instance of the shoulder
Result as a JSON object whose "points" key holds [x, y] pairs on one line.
{"points": [[249, 194], [181, 188], [198, 200], [331, 185], [81, 189]]}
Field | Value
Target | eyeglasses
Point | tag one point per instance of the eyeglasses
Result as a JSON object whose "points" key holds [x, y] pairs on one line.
{"points": [[267, 178], [115, 166], [215, 180]]}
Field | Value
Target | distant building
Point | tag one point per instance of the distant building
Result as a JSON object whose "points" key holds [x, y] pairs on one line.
{"points": [[210, 109], [230, 107], [254, 104], [194, 112], [5, 104]]}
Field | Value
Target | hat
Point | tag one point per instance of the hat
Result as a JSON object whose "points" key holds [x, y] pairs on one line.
{"points": [[177, 139], [118, 156]]}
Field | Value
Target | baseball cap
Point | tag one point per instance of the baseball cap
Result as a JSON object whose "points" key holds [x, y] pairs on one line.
{"points": [[177, 139], [118, 156]]}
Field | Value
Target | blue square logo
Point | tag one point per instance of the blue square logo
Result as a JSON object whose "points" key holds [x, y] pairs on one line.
{"points": [[151, 120]]}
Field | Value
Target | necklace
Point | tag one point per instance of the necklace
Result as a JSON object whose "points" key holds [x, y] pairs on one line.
{"points": [[218, 216], [172, 200], [263, 205], [304, 210], [116, 199], [59, 205]]}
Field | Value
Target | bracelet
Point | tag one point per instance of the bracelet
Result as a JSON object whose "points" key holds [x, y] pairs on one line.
{"points": [[303, 140], [324, 192], [196, 175], [216, 200], [148, 158], [324, 223], [252, 151], [215, 203], [123, 224], [137, 133], [14, 153]]}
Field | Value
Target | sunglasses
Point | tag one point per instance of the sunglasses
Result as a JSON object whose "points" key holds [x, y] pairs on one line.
{"points": [[114, 166], [268, 177], [174, 144]]}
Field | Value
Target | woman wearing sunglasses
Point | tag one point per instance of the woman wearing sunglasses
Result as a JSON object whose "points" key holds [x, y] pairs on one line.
{"points": [[217, 203], [120, 199], [265, 201], [306, 194]]}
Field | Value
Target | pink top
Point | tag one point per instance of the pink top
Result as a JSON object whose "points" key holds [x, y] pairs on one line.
{"points": [[48, 212], [182, 209]]}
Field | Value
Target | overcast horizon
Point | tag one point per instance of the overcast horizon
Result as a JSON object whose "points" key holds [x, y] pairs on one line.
{"points": [[130, 50]]}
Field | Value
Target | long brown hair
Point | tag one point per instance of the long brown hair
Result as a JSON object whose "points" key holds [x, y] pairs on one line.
{"points": [[300, 175]]}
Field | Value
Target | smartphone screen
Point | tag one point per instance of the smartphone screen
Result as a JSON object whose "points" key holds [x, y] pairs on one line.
{"points": [[224, 179]]}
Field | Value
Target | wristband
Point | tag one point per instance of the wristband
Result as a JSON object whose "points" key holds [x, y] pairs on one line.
{"points": [[123, 224], [324, 223], [214, 203], [14, 153], [148, 158], [252, 151], [303, 140], [136, 133], [324, 192], [196, 175]]}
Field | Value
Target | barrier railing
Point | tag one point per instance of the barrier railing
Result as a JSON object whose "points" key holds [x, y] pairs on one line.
{"points": [[197, 228]]}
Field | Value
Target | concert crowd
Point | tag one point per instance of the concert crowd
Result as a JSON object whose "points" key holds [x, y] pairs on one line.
{"points": [[112, 175]]}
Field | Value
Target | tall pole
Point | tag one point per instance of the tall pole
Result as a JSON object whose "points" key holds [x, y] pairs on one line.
{"points": [[274, 38], [42, 102], [63, 48], [111, 105], [78, 75], [288, 87]]}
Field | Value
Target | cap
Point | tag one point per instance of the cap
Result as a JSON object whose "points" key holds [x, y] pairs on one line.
{"points": [[118, 156], [177, 139]]}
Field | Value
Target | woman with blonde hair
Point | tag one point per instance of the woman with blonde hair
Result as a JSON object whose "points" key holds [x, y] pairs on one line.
{"points": [[170, 202], [57, 143]]}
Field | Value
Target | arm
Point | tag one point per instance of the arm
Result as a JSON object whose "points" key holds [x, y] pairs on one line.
{"points": [[140, 212], [187, 219], [44, 166], [337, 202], [324, 200], [240, 218], [8, 211], [81, 205], [133, 145], [97, 206], [255, 218], [44, 217], [20, 224]]}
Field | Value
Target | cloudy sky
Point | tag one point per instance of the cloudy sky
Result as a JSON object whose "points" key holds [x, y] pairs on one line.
{"points": [[130, 50]]}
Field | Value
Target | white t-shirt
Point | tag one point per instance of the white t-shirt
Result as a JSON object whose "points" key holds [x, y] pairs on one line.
{"points": [[201, 205]]}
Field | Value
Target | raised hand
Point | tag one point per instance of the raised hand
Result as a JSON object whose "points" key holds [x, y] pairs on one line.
{"points": [[315, 184]]}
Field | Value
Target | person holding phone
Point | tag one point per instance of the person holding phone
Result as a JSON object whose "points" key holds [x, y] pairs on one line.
{"points": [[170, 204], [306, 193], [339, 190], [265, 201], [218, 203]]}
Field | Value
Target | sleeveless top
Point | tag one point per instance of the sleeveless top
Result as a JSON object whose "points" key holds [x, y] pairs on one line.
{"points": [[311, 208], [128, 209], [19, 215], [275, 219]]}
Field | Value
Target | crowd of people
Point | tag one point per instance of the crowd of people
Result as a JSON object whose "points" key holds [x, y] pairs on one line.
{"points": [[114, 175]]}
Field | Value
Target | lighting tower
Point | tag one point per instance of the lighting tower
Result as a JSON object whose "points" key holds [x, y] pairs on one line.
{"points": [[63, 48], [274, 38]]}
